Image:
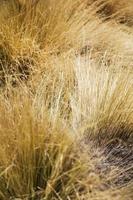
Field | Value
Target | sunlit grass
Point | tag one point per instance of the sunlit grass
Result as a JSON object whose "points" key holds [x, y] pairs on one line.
{"points": [[66, 100]]}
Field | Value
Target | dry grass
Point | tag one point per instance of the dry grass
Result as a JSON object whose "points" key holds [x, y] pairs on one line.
{"points": [[66, 100]]}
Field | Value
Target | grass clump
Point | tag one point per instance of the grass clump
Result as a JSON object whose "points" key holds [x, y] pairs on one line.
{"points": [[66, 100]]}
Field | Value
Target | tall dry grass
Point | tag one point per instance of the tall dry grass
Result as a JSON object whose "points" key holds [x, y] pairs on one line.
{"points": [[66, 101]]}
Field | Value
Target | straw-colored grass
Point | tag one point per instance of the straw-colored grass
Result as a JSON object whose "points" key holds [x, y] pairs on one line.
{"points": [[66, 100]]}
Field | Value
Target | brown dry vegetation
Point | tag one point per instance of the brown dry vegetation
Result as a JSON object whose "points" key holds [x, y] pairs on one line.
{"points": [[66, 100]]}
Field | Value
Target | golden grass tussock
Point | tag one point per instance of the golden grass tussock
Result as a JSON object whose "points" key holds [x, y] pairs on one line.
{"points": [[66, 100]]}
